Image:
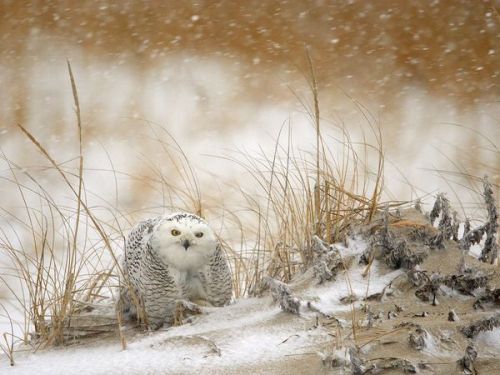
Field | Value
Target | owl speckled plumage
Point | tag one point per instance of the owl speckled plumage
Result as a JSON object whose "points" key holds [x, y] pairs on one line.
{"points": [[171, 258]]}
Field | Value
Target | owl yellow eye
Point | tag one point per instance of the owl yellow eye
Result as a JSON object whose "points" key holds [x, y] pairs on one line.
{"points": [[175, 232], [199, 234]]}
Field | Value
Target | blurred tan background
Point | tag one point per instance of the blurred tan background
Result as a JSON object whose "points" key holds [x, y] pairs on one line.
{"points": [[226, 74]]}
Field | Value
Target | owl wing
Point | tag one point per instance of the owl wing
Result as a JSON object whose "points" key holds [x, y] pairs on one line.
{"points": [[130, 262], [136, 245], [217, 277], [148, 276]]}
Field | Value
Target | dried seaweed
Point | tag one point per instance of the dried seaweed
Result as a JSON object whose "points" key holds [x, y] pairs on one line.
{"points": [[370, 318], [319, 247], [467, 225], [485, 324], [417, 339], [467, 361], [281, 293], [445, 224], [385, 236], [438, 241], [436, 209], [417, 277], [350, 298], [418, 205], [377, 365], [401, 256], [473, 237], [448, 224], [332, 360], [391, 315], [490, 250], [489, 296], [423, 314], [428, 292], [455, 226], [489, 253], [464, 283], [402, 246], [406, 324], [452, 316], [357, 364], [366, 256], [327, 261], [393, 363], [397, 253]]}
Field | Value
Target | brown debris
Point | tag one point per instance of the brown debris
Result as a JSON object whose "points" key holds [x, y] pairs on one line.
{"points": [[332, 360], [464, 283], [485, 324], [417, 338], [448, 224], [327, 260], [489, 296], [467, 361], [281, 293], [405, 366], [489, 253], [401, 242], [452, 316], [423, 314], [376, 366]]}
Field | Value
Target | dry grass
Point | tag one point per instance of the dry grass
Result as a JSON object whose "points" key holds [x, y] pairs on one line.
{"points": [[61, 263], [325, 193], [65, 252]]}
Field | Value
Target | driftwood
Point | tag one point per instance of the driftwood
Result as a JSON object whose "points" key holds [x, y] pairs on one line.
{"points": [[88, 320]]}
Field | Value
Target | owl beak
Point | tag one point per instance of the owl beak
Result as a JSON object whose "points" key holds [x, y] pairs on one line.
{"points": [[186, 244]]}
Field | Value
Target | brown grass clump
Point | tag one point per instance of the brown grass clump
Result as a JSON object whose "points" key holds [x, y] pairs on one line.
{"points": [[61, 269], [324, 193]]}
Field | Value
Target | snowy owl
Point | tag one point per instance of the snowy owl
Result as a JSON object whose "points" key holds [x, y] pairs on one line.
{"points": [[173, 258]]}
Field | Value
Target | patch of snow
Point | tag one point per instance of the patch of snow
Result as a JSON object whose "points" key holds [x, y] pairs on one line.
{"points": [[432, 347], [249, 331], [475, 250], [356, 245], [488, 343], [348, 283]]}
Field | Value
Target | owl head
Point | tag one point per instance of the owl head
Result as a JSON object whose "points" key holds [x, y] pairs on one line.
{"points": [[184, 241]]}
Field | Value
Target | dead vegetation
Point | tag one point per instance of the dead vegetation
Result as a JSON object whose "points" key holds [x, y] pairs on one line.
{"points": [[283, 295], [378, 365], [467, 361], [485, 324]]}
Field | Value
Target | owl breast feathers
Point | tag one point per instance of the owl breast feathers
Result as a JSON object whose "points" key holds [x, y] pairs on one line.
{"points": [[171, 258]]}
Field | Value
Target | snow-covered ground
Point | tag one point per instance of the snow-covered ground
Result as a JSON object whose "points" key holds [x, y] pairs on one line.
{"points": [[252, 331]]}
